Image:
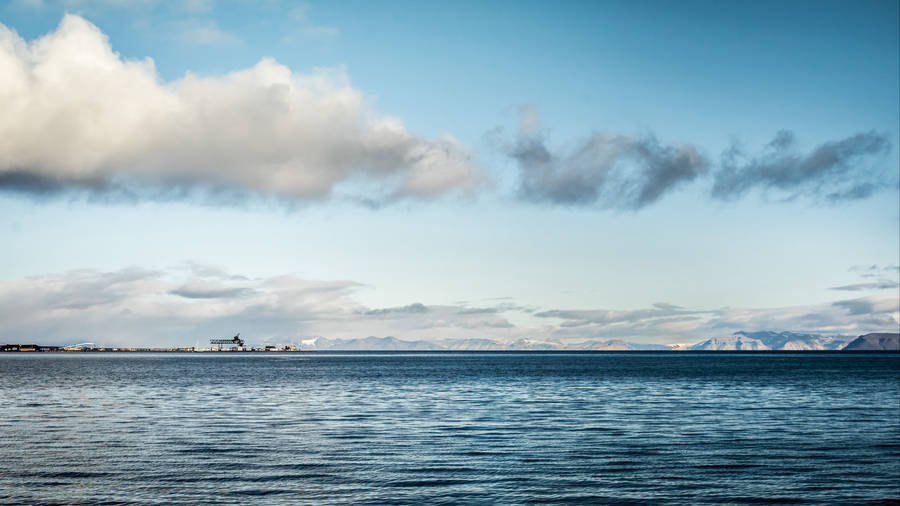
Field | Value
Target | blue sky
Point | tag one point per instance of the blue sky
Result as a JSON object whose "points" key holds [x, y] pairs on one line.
{"points": [[555, 171]]}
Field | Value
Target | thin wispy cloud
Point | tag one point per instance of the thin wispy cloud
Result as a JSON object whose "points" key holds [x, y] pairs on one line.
{"points": [[300, 27], [117, 130], [207, 33], [576, 318], [876, 271], [886, 278], [878, 285]]}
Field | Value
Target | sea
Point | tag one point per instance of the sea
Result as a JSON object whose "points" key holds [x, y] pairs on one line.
{"points": [[450, 428]]}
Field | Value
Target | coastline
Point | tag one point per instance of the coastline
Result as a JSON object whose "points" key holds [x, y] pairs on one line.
{"points": [[35, 348], [246, 350]]}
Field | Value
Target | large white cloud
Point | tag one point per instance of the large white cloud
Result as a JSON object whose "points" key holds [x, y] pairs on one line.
{"points": [[78, 115]]}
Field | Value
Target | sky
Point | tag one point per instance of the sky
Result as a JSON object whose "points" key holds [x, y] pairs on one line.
{"points": [[656, 172]]}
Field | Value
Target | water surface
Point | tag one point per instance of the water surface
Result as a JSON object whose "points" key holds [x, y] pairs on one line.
{"points": [[449, 427]]}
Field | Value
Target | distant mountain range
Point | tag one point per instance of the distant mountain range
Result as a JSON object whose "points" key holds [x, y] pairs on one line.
{"points": [[389, 343], [768, 340], [739, 341]]}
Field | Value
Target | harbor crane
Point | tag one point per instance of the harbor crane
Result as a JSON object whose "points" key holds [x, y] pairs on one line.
{"points": [[236, 340]]}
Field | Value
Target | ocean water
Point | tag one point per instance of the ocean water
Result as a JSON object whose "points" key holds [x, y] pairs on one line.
{"points": [[437, 428]]}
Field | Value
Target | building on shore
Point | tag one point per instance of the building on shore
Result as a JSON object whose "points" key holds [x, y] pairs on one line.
{"points": [[27, 348]]}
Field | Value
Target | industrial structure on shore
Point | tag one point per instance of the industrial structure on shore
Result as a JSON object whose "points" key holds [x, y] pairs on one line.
{"points": [[236, 341], [216, 345]]}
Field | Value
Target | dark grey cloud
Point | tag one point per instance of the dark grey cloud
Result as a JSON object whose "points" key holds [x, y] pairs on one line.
{"points": [[41, 185], [119, 189], [624, 172], [835, 170], [26, 182], [610, 171]]}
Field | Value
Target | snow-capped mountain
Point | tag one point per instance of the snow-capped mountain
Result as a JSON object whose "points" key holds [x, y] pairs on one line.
{"points": [[739, 341], [389, 343], [769, 340], [370, 343], [736, 342]]}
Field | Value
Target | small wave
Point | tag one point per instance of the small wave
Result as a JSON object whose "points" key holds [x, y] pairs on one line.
{"points": [[427, 483]]}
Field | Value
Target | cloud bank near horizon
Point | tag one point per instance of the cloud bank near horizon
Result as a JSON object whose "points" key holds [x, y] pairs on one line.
{"points": [[178, 307], [80, 118], [137, 306]]}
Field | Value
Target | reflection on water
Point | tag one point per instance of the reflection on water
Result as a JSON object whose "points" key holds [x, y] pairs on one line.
{"points": [[451, 427]]}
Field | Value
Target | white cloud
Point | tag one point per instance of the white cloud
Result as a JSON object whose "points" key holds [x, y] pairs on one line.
{"points": [[78, 115]]}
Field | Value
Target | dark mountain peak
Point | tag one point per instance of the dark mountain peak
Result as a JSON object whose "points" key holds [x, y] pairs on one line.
{"points": [[876, 341]]}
